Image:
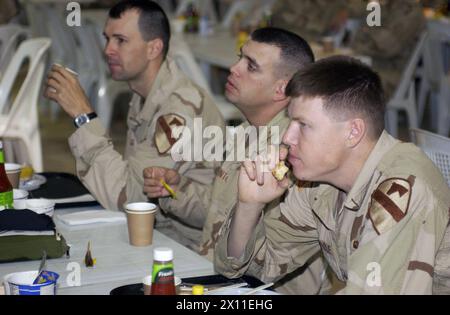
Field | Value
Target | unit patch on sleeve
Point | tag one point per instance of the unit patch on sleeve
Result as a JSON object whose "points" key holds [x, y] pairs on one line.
{"points": [[164, 135], [389, 204]]}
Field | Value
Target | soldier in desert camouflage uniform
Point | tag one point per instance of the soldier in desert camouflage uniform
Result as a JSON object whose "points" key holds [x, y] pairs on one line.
{"points": [[311, 19], [164, 98], [376, 207], [256, 86], [391, 44]]}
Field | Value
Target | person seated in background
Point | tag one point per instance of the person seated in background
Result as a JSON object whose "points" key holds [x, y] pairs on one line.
{"points": [[377, 208], [390, 45], [10, 9], [256, 85], [312, 19], [137, 41]]}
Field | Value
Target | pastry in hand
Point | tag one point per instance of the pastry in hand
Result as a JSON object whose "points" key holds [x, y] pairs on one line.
{"points": [[280, 171]]}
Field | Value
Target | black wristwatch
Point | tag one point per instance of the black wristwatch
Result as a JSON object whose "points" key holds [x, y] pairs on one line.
{"points": [[80, 120]]}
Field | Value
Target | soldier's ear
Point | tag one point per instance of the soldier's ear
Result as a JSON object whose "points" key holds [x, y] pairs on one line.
{"points": [[280, 90], [355, 131], [154, 48]]}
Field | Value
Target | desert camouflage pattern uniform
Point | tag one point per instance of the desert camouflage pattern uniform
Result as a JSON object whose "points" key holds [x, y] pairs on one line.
{"points": [[380, 238], [174, 101], [208, 206], [441, 284], [310, 19], [391, 44]]}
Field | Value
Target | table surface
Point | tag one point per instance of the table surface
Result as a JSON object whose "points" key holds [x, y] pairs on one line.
{"points": [[220, 49], [118, 263]]}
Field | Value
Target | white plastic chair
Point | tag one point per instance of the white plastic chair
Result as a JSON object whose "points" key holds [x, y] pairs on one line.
{"points": [[184, 58], [435, 78], [404, 98], [20, 120], [437, 148], [444, 106], [11, 35]]}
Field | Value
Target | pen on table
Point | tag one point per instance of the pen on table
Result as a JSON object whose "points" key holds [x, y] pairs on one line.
{"points": [[168, 188]]}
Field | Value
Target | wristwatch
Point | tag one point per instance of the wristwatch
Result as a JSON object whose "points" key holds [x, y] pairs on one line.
{"points": [[80, 120]]}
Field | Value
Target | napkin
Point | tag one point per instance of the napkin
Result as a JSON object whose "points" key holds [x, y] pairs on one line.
{"points": [[92, 216]]}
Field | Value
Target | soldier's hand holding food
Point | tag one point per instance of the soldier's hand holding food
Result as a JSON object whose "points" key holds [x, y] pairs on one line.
{"points": [[263, 180], [64, 88], [154, 177]]}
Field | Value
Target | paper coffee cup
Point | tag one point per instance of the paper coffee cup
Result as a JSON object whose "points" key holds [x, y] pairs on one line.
{"points": [[140, 220], [147, 284], [21, 283], [13, 172]]}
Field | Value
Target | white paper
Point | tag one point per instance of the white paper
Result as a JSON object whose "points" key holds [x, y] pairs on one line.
{"points": [[82, 198], [92, 216]]}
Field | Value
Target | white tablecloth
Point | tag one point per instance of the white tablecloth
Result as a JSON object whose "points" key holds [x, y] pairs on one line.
{"points": [[118, 263]]}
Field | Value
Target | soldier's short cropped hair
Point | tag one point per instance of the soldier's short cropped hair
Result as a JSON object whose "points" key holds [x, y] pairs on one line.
{"points": [[153, 22], [347, 87], [295, 51]]}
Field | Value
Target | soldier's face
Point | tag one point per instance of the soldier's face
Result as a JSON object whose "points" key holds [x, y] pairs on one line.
{"points": [[316, 142], [251, 83], [125, 49]]}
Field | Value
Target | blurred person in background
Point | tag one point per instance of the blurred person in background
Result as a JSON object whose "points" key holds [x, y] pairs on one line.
{"points": [[9, 10], [391, 44], [311, 19]]}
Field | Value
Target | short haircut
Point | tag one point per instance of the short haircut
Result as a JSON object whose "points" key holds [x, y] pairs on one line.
{"points": [[295, 51], [348, 88], [153, 22]]}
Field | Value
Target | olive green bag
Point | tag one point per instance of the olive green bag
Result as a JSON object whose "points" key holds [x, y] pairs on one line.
{"points": [[24, 247]]}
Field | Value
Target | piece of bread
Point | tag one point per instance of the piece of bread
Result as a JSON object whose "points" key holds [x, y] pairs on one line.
{"points": [[26, 173], [280, 171]]}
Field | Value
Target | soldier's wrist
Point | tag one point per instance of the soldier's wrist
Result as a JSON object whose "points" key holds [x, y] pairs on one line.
{"points": [[255, 207]]}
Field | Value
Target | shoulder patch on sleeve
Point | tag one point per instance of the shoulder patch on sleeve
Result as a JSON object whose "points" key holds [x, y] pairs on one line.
{"points": [[389, 204], [164, 137]]}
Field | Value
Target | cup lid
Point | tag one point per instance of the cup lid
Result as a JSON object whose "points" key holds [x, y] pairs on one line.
{"points": [[12, 167], [140, 207]]}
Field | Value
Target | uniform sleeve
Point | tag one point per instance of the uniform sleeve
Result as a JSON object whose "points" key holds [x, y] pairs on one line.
{"points": [[397, 256], [284, 239], [192, 203], [104, 171], [101, 169]]}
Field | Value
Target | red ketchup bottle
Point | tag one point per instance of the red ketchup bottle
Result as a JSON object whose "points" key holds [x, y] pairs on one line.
{"points": [[163, 278]]}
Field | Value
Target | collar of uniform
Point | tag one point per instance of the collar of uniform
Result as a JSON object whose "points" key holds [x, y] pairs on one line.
{"points": [[165, 81], [356, 195], [281, 119]]}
